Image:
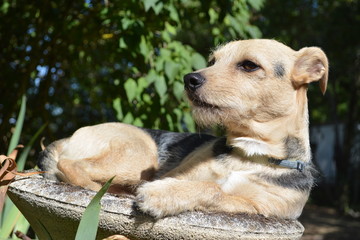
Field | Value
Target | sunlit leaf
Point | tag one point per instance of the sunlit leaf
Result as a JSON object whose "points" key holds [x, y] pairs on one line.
{"points": [[171, 29], [118, 109], [160, 86], [18, 128], [145, 48], [178, 89], [198, 61], [130, 87], [189, 122], [122, 43], [171, 69], [256, 4], [24, 154], [149, 4], [129, 118], [5, 6], [151, 76], [158, 7], [89, 221], [138, 122]]}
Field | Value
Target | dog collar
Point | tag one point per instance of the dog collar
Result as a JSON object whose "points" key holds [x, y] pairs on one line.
{"points": [[292, 164]]}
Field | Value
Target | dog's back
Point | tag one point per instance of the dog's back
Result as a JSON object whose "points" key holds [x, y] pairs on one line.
{"points": [[172, 148]]}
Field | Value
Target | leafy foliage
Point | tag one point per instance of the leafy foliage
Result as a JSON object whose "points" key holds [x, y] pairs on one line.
{"points": [[86, 62], [82, 63], [10, 216]]}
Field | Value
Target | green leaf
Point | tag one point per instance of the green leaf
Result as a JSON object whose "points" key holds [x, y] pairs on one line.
{"points": [[12, 214], [171, 70], [142, 83], [104, 11], [127, 22], [151, 76], [158, 7], [137, 122], [90, 220], [190, 124], [130, 88], [18, 127], [214, 16], [22, 225], [173, 13], [171, 29], [149, 4], [256, 4], [25, 152], [254, 32], [122, 44], [170, 122], [198, 61], [178, 114], [129, 119], [160, 86], [4, 8], [118, 109], [163, 100], [145, 47], [147, 99], [178, 90], [165, 53]]}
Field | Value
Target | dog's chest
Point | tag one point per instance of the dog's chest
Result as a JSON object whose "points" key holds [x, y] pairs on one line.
{"points": [[234, 180]]}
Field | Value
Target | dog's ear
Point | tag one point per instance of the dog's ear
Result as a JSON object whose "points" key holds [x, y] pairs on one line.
{"points": [[311, 65]]}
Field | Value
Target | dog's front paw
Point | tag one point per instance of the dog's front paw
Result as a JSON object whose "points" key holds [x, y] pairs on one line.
{"points": [[160, 198]]}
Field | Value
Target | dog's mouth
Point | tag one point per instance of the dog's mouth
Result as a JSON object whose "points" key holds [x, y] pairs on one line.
{"points": [[196, 101]]}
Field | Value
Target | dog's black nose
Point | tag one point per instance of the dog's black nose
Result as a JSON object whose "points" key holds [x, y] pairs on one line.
{"points": [[193, 81]]}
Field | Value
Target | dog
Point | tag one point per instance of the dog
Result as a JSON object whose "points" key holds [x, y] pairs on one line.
{"points": [[256, 90]]}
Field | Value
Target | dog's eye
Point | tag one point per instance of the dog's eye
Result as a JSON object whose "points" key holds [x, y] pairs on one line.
{"points": [[248, 66], [211, 62]]}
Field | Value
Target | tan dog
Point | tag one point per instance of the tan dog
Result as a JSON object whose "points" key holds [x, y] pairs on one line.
{"points": [[256, 89]]}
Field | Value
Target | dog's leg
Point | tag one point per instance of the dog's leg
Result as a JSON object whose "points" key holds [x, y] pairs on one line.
{"points": [[77, 173], [129, 164], [171, 196]]}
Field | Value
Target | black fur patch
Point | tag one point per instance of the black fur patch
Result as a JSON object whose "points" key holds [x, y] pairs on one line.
{"points": [[294, 179], [302, 180], [221, 149], [279, 70], [295, 148], [174, 147]]}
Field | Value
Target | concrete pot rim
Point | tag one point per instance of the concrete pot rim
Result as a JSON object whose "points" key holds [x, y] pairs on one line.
{"points": [[118, 216]]}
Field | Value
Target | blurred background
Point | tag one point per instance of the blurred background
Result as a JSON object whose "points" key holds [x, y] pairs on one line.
{"points": [[87, 62]]}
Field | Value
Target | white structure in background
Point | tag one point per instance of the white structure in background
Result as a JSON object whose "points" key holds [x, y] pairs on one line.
{"points": [[323, 140]]}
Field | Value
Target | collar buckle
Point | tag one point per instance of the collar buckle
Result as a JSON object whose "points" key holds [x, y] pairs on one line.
{"points": [[292, 164]]}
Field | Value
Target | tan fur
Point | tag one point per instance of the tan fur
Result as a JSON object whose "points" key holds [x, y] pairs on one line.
{"points": [[278, 108], [94, 154], [259, 110]]}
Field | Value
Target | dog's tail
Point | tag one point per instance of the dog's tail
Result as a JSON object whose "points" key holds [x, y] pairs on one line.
{"points": [[49, 157]]}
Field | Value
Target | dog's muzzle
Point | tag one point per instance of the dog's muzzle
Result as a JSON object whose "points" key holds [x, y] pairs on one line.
{"points": [[193, 81]]}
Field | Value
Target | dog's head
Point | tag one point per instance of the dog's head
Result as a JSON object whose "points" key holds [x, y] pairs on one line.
{"points": [[253, 82]]}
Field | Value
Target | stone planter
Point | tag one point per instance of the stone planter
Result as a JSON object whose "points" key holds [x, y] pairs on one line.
{"points": [[55, 208]]}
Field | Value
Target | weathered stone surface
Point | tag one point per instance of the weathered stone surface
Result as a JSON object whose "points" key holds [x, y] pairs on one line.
{"points": [[57, 207]]}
